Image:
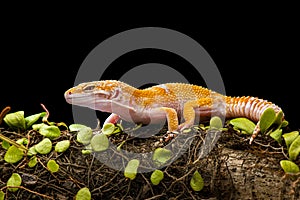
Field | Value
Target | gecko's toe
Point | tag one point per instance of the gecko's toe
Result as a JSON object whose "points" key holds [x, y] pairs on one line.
{"points": [[184, 125], [255, 133], [170, 135]]}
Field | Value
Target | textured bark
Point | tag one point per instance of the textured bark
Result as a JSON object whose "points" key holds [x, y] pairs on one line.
{"points": [[238, 174]]}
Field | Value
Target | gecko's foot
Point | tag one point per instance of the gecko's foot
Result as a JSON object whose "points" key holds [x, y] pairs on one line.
{"points": [[185, 125], [255, 133], [170, 135]]}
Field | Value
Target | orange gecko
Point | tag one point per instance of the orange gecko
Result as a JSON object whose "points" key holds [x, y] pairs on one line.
{"points": [[171, 101]]}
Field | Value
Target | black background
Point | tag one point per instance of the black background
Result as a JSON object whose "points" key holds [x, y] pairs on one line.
{"points": [[40, 58]]}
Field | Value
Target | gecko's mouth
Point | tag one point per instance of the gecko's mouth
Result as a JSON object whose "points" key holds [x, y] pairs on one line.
{"points": [[77, 98], [84, 98], [89, 100]]}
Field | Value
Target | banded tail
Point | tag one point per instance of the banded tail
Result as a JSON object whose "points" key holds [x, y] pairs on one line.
{"points": [[249, 107]]}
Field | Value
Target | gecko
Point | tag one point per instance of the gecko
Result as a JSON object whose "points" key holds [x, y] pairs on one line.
{"points": [[180, 104]]}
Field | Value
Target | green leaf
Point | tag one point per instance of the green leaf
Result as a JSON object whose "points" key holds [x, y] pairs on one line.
{"points": [[33, 118], [284, 123], [216, 122], [119, 128], [289, 166], [76, 127], [5, 144], [100, 142], [156, 177], [279, 117], [161, 156], [290, 137], [31, 151], [15, 120], [83, 194], [37, 127], [14, 180], [108, 129], [44, 146], [243, 124], [13, 154], [276, 135], [51, 132], [84, 135], [32, 162], [131, 169], [86, 151], [294, 149], [197, 182], [22, 141], [62, 146], [267, 119], [187, 130], [52, 166], [2, 195]]}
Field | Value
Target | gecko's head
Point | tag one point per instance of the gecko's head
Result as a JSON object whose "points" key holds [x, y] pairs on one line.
{"points": [[96, 95]]}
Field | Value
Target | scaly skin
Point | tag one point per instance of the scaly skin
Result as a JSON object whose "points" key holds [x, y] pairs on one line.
{"points": [[171, 101]]}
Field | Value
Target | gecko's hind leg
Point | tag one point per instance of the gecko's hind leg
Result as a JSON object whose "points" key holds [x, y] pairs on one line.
{"points": [[255, 133]]}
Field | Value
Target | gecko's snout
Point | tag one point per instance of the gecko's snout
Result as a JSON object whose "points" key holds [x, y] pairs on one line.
{"points": [[67, 96]]}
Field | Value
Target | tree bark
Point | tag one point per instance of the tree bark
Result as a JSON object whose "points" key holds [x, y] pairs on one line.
{"points": [[237, 174]]}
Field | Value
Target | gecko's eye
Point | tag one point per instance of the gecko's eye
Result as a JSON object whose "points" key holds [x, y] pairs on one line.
{"points": [[89, 88]]}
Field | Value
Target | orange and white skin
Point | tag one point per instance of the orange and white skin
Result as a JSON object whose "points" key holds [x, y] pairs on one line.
{"points": [[171, 101]]}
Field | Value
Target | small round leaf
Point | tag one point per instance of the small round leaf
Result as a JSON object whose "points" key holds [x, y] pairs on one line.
{"points": [[31, 151], [279, 117], [15, 120], [243, 124], [216, 122], [161, 156], [51, 132], [156, 177], [84, 135], [294, 149], [108, 129], [37, 127], [13, 154], [276, 135], [5, 145], [267, 119], [32, 162], [44, 146], [131, 169], [14, 180], [62, 146], [2, 195], [52, 166], [99, 142], [76, 127], [289, 166], [290, 137], [86, 151], [83, 194], [30, 120], [197, 182]]}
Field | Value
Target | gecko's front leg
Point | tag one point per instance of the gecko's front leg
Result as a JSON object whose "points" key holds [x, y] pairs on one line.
{"points": [[112, 118], [189, 113]]}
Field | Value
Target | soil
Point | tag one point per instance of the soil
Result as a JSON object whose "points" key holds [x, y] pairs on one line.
{"points": [[229, 166]]}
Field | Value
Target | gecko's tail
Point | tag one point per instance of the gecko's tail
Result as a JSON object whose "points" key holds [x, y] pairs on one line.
{"points": [[249, 107]]}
